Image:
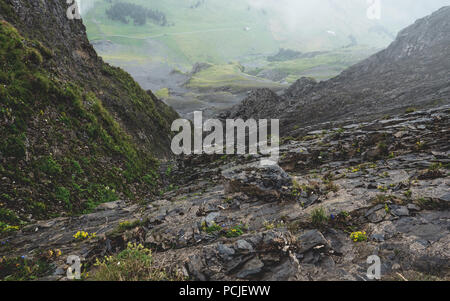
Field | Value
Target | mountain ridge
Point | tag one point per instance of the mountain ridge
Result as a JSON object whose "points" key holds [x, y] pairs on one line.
{"points": [[413, 71]]}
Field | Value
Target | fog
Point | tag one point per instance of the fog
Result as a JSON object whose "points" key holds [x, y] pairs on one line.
{"points": [[392, 12], [85, 5], [397, 13], [322, 24], [298, 20]]}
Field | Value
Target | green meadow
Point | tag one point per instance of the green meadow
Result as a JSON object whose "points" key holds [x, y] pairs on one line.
{"points": [[227, 34], [214, 33]]}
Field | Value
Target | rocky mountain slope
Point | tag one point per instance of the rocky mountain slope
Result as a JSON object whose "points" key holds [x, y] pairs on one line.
{"points": [[75, 131], [229, 219], [413, 72]]}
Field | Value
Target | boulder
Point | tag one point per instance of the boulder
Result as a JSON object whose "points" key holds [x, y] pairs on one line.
{"points": [[267, 182]]}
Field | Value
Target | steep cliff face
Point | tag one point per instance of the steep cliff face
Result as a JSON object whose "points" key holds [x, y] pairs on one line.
{"points": [[74, 131], [414, 71], [75, 60]]}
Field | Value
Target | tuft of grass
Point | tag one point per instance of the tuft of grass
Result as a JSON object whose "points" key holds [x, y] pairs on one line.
{"points": [[408, 193], [127, 225], [163, 93], [268, 225], [383, 199], [330, 186], [319, 216], [420, 145], [382, 188], [135, 263], [435, 166], [214, 228]]}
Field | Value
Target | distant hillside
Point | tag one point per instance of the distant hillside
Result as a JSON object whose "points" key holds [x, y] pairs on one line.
{"points": [[216, 31], [413, 72]]}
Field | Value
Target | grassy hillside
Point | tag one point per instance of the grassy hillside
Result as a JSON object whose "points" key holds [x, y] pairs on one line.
{"points": [[214, 32], [218, 33], [320, 67], [68, 124], [228, 77]]}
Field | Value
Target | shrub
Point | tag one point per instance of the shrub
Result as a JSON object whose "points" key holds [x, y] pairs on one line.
{"points": [[383, 148], [8, 216], [49, 166], [151, 179], [76, 167], [63, 194], [14, 146], [35, 57]]}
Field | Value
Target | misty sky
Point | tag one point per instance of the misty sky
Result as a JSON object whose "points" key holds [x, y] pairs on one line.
{"points": [[397, 13], [404, 11]]}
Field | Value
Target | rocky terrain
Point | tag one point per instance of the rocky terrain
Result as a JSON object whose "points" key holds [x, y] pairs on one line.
{"points": [[358, 175], [230, 219]]}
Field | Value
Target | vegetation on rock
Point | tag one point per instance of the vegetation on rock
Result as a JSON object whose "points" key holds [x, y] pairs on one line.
{"points": [[61, 149]]}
